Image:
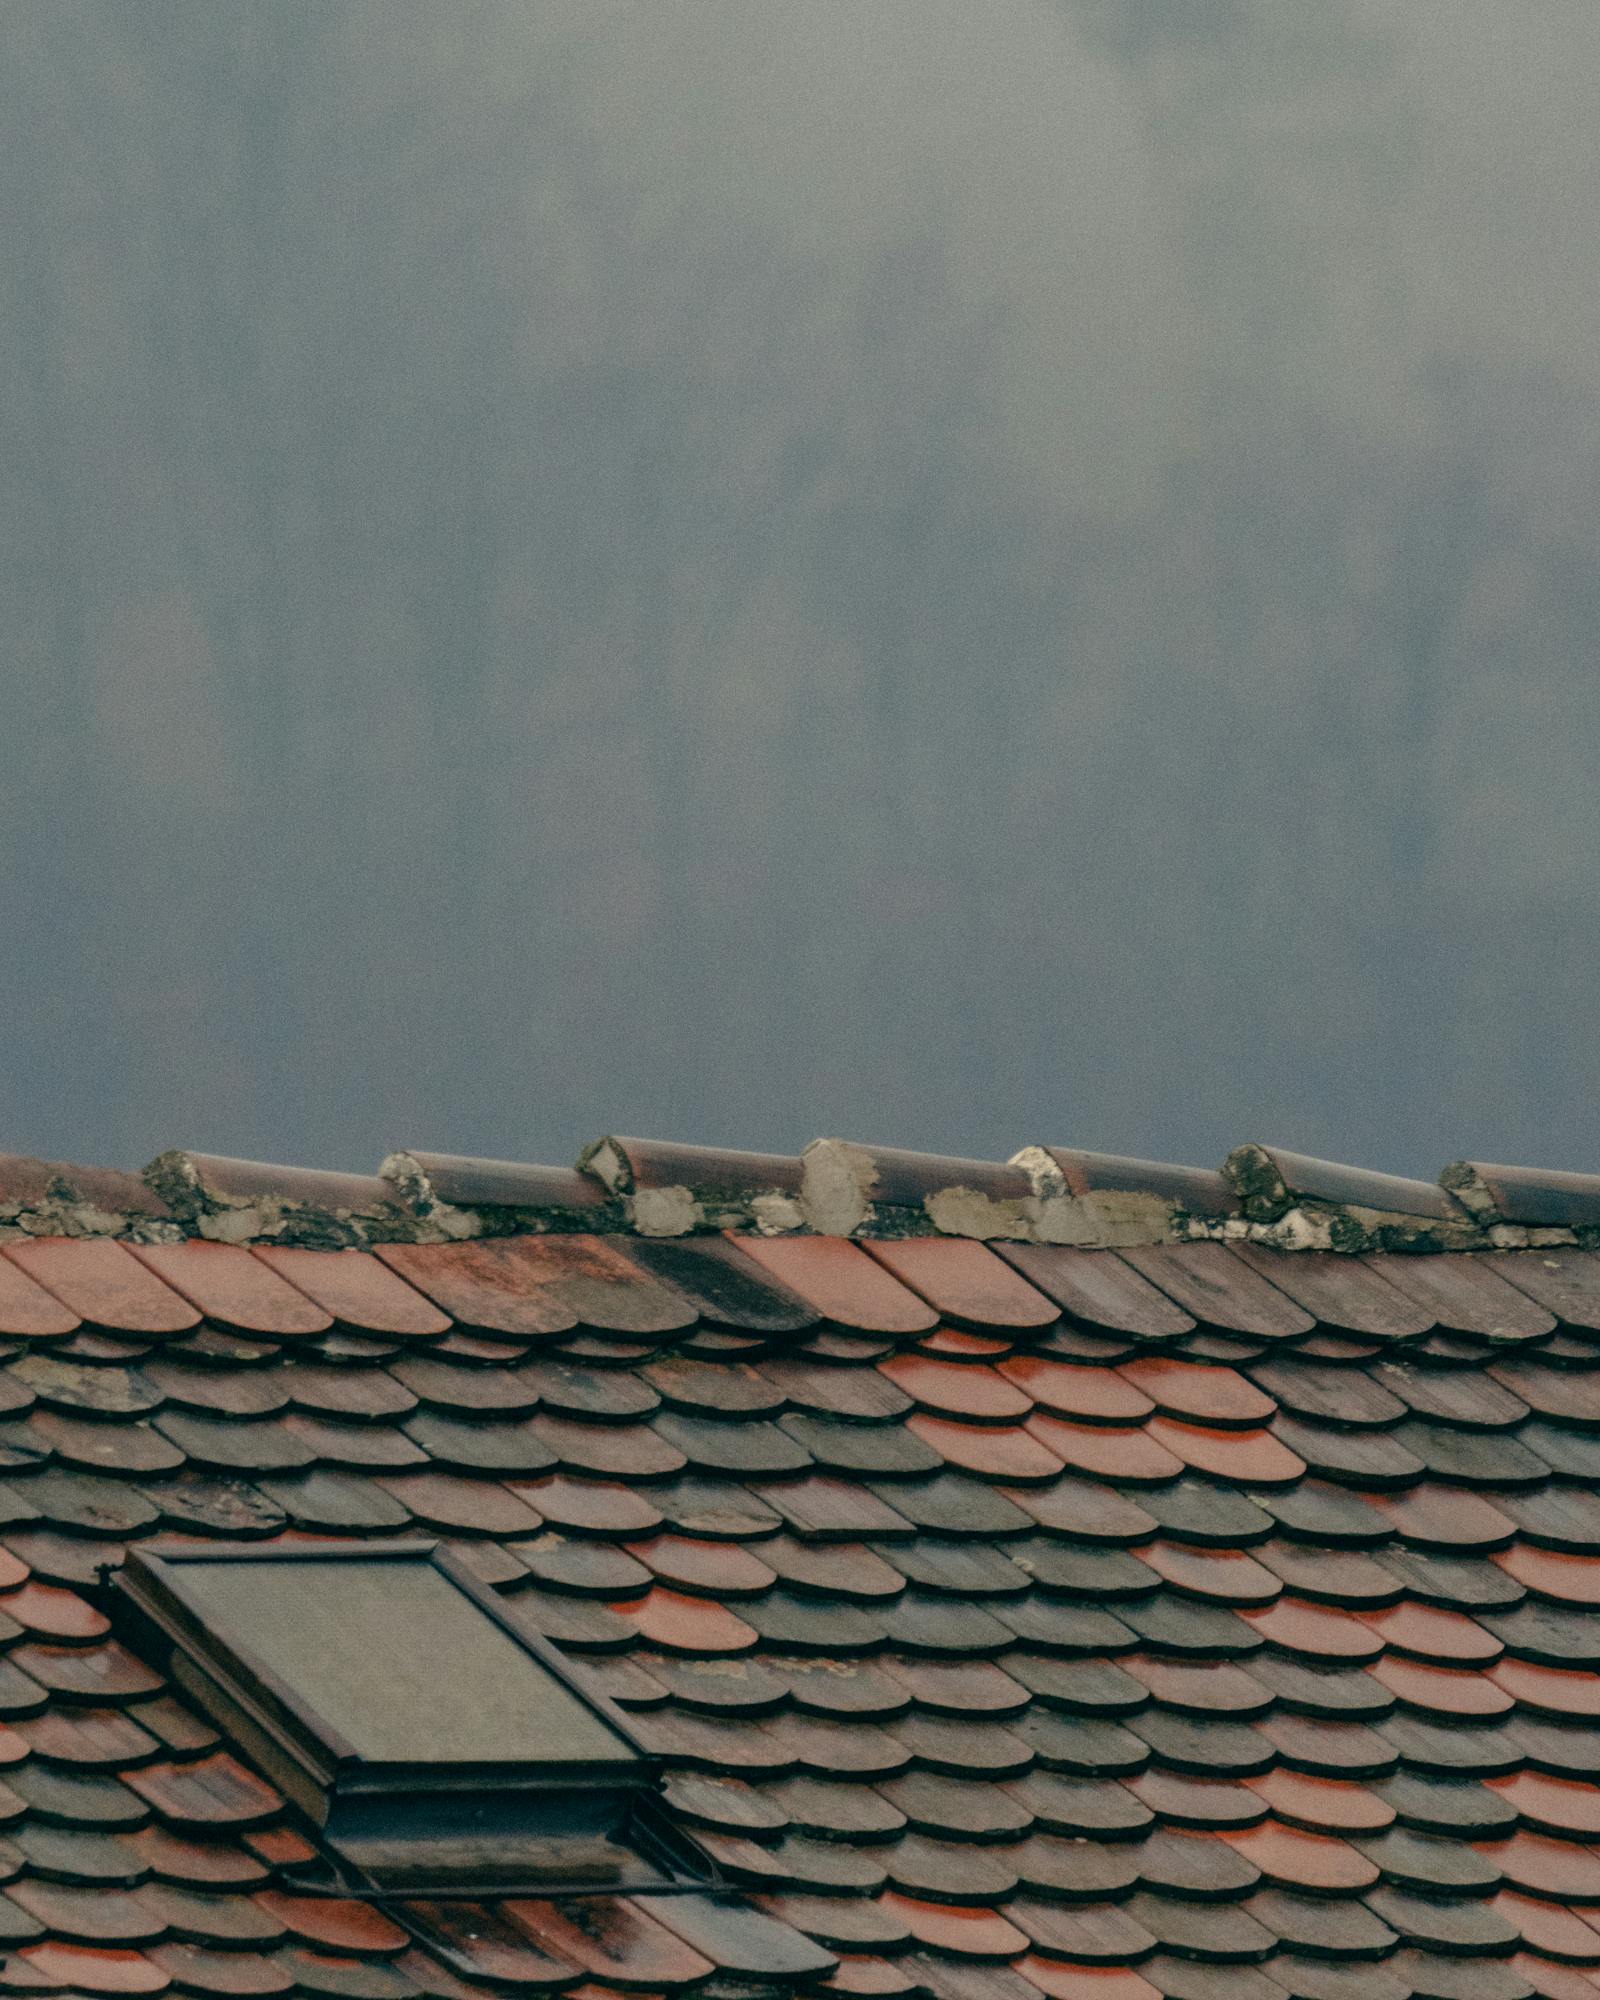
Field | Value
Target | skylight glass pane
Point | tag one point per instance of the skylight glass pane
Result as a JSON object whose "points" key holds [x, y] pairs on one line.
{"points": [[395, 1659]]}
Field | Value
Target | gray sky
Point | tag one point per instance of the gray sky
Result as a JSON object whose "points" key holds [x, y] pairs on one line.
{"points": [[953, 572]]}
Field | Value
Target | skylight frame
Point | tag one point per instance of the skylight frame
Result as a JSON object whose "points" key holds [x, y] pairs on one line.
{"points": [[153, 1581], [391, 1828]]}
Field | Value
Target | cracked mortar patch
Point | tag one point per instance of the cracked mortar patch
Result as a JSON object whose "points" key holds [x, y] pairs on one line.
{"points": [[666, 1211], [838, 1182]]}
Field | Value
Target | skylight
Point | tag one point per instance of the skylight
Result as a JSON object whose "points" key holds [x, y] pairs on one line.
{"points": [[431, 1740]]}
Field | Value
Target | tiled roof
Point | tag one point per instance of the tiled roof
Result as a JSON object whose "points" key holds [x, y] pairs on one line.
{"points": [[1193, 1617]]}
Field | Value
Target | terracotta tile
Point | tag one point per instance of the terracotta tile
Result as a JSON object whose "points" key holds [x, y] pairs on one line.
{"points": [[834, 1510], [93, 1738], [1229, 1575], [1572, 1579], [87, 1916], [453, 1444], [184, 1731], [232, 1288], [1202, 1746], [1444, 1690], [1370, 1459], [718, 1510], [868, 1451], [747, 1450], [727, 1288], [279, 1845], [860, 1394], [1341, 1292], [1320, 1805], [607, 1451], [1445, 1517], [223, 1444], [1210, 1688], [603, 1286], [1081, 1394], [1455, 1808], [1203, 1514], [461, 1506], [957, 1344], [1545, 1867], [454, 1388], [1426, 1632], [112, 1447], [203, 1918], [970, 1392], [1464, 1295], [1085, 1982], [1552, 1805], [741, 1941], [832, 1569], [1558, 1517], [1567, 1282], [356, 1289], [958, 1687], [1103, 1291], [958, 1929], [1460, 1583], [106, 1672], [1559, 1933], [1315, 1630], [1344, 1577], [590, 1507], [1198, 1394], [680, 1624], [27, 1310], [864, 1975], [213, 1792], [1191, 1628], [232, 1975], [52, 1613], [482, 1285], [964, 1281], [1568, 1395], [611, 1938], [1556, 1690], [1555, 1982], [1085, 1933], [1249, 1458], [478, 1941], [720, 1568], [1339, 1395], [1128, 1457], [340, 1926], [841, 1282], [1010, 1455], [713, 1388], [1201, 1804], [89, 1970], [1207, 1280], [102, 1283]]}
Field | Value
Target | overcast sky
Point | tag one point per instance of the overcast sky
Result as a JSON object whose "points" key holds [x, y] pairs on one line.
{"points": [[948, 572]]}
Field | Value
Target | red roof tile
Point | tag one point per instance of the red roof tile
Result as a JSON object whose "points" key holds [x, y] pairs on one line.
{"points": [[841, 1282], [233, 1288], [355, 1289], [965, 1281], [103, 1283]]}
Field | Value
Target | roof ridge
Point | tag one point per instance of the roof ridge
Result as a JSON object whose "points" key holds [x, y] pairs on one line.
{"points": [[1262, 1194]]}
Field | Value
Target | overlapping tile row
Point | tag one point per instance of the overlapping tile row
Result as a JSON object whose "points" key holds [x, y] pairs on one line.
{"points": [[1191, 1620]]}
